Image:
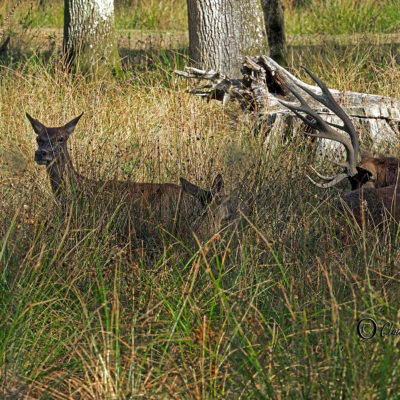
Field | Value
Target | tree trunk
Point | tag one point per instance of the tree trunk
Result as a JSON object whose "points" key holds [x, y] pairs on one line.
{"points": [[222, 33], [89, 40], [275, 26]]}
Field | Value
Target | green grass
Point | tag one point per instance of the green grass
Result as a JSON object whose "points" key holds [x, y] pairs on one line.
{"points": [[270, 312], [338, 17], [315, 17], [129, 14], [151, 15]]}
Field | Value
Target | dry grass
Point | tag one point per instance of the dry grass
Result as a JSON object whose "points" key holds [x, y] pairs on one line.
{"points": [[270, 312]]}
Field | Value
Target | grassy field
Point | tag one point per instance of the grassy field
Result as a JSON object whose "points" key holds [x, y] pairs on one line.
{"points": [[265, 311], [314, 17]]}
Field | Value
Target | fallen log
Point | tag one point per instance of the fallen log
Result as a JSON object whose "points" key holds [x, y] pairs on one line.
{"points": [[263, 85]]}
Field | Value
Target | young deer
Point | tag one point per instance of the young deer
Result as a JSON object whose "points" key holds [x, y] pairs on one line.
{"points": [[166, 203], [373, 180]]}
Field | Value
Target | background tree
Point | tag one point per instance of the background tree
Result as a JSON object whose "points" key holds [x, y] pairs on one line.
{"points": [[275, 26], [222, 33], [89, 40]]}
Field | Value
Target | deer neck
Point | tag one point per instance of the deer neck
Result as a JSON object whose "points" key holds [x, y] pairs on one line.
{"points": [[62, 174]]}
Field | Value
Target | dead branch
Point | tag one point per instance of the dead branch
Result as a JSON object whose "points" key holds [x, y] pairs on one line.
{"points": [[263, 85]]}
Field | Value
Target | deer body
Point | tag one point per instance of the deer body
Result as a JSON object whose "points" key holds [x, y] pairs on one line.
{"points": [[370, 203], [166, 204]]}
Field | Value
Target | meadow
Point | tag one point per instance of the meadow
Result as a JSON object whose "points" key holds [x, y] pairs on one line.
{"points": [[265, 310], [312, 17]]}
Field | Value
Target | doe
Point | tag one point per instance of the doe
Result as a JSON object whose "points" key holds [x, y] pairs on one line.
{"points": [[169, 204]]}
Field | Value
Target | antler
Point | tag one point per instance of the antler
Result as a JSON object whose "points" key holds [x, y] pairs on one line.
{"points": [[325, 130]]}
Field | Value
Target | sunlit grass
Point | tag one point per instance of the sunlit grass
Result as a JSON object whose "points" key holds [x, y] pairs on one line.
{"points": [[129, 14], [314, 17], [270, 311], [342, 16]]}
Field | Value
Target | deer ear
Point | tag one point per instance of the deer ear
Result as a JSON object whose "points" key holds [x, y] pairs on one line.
{"points": [[70, 126], [218, 185], [204, 196], [36, 125]]}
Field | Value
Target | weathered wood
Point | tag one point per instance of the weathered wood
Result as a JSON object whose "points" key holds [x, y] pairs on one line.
{"points": [[263, 85]]}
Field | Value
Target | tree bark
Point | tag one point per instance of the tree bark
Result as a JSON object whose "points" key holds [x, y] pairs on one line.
{"points": [[89, 40], [275, 26], [222, 33]]}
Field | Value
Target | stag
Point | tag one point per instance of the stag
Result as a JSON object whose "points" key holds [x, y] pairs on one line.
{"points": [[373, 180], [380, 172], [165, 202]]}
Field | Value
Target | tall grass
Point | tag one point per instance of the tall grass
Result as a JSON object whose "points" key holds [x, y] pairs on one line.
{"points": [[268, 311]]}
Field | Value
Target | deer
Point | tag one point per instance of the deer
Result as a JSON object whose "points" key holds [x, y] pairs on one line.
{"points": [[167, 202], [374, 181]]}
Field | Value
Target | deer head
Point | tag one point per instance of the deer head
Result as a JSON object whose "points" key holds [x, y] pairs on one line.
{"points": [[215, 201], [52, 142]]}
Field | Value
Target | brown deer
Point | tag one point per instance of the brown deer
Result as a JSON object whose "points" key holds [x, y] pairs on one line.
{"points": [[373, 180], [166, 203]]}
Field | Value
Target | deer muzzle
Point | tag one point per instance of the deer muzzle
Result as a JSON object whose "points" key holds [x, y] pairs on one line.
{"points": [[42, 157]]}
